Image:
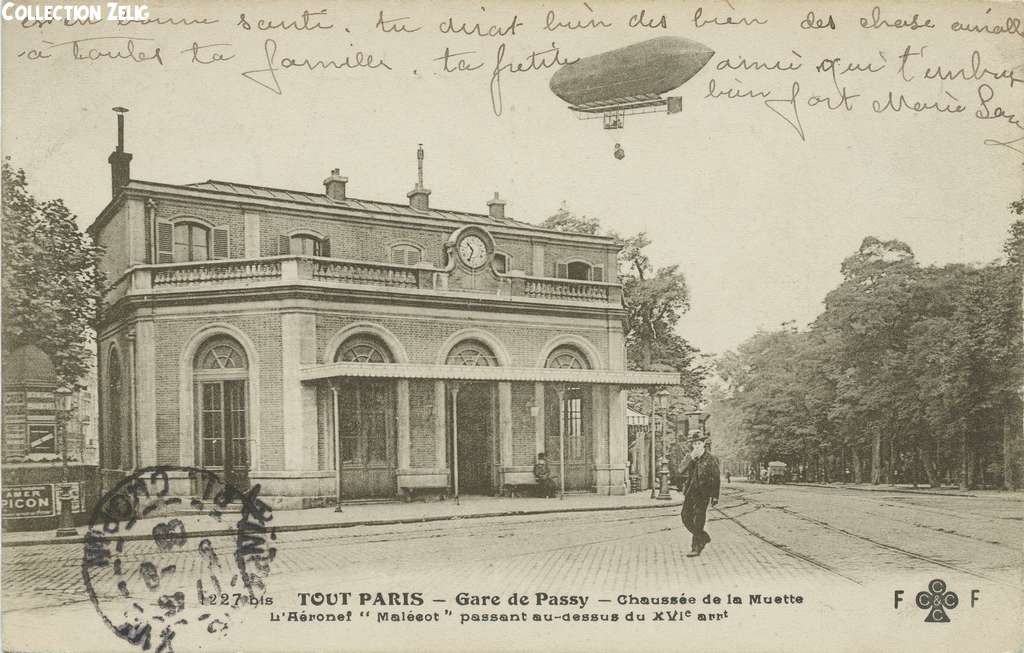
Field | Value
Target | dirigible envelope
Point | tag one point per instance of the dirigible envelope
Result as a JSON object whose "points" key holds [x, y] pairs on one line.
{"points": [[640, 70]]}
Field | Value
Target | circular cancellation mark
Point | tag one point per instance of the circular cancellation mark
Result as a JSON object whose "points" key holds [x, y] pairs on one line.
{"points": [[157, 585]]}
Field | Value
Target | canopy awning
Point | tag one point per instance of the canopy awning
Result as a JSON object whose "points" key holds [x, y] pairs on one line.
{"points": [[469, 373]]}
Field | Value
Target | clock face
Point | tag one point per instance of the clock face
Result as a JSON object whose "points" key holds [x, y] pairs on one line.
{"points": [[473, 251]]}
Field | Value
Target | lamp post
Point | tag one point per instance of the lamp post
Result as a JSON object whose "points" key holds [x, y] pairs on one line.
{"points": [[664, 493], [66, 523], [650, 432]]}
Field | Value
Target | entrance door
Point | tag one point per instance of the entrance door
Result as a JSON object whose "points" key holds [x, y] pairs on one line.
{"points": [[476, 434], [573, 417], [367, 439], [577, 442], [224, 429]]}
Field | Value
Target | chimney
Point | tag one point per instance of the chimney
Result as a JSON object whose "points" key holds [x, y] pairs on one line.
{"points": [[119, 160], [334, 186], [419, 197], [496, 207]]}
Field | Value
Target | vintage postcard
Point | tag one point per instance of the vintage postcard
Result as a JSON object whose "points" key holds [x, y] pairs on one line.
{"points": [[512, 326]]}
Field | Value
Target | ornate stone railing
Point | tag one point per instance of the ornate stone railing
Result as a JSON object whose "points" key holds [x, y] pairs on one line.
{"points": [[216, 272], [289, 270], [566, 290], [371, 274]]}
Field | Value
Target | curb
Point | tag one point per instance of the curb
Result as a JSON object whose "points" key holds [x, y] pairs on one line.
{"points": [[292, 528]]}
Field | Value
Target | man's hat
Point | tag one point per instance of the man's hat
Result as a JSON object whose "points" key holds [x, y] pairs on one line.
{"points": [[696, 434]]}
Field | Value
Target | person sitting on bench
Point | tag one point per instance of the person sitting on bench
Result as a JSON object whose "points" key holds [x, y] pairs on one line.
{"points": [[541, 472]]}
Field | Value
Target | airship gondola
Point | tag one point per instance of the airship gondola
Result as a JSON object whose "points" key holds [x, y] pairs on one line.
{"points": [[630, 80]]}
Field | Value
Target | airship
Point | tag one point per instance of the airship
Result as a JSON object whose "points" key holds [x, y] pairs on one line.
{"points": [[630, 80]]}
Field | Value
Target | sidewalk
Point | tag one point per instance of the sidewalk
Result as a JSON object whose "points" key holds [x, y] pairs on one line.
{"points": [[373, 514], [920, 489]]}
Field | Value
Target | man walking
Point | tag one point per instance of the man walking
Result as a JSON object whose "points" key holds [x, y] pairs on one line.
{"points": [[702, 486]]}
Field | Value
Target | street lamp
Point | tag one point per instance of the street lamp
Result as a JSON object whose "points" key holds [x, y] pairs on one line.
{"points": [[664, 493], [66, 523]]}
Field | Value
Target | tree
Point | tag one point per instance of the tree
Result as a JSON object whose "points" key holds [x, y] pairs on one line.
{"points": [[654, 302], [918, 367], [566, 221], [52, 286]]}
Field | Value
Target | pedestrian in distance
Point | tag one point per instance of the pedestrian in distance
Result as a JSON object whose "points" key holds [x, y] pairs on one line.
{"points": [[701, 491]]}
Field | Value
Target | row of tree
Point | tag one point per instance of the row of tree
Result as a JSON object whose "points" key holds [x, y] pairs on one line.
{"points": [[911, 374]]}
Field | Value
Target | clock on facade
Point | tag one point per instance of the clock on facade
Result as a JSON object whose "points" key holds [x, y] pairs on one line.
{"points": [[473, 251]]}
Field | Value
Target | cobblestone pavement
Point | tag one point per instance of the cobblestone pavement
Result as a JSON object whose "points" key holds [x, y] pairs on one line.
{"points": [[772, 537]]}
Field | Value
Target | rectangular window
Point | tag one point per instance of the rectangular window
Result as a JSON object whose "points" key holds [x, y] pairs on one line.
{"points": [[190, 243], [237, 429], [304, 245], [348, 424], [375, 429], [213, 424], [574, 424], [366, 412]]}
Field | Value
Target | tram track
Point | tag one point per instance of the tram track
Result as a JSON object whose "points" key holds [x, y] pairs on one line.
{"points": [[820, 523]]}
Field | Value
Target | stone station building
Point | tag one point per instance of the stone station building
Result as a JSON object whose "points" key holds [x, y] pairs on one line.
{"points": [[325, 346]]}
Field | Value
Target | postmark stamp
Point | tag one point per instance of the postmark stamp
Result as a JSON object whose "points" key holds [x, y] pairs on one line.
{"points": [[157, 586]]}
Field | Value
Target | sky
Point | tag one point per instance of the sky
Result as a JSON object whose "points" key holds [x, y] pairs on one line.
{"points": [[757, 217]]}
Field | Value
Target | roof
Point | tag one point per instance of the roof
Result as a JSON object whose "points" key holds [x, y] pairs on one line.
{"points": [[319, 201], [264, 192], [28, 365]]}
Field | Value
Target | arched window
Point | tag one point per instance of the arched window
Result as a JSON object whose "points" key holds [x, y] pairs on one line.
{"points": [[222, 354], [191, 242], [363, 349], [472, 353], [406, 254], [115, 400], [501, 262], [567, 358], [578, 270], [221, 372]]}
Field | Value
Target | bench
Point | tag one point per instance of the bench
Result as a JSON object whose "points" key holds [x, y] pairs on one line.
{"points": [[410, 494], [521, 484]]}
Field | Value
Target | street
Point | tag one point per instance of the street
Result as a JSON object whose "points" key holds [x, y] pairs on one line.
{"points": [[771, 538]]}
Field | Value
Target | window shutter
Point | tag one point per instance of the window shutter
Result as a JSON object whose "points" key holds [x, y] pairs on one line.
{"points": [[412, 256], [220, 243], [597, 273], [561, 270], [397, 256], [164, 242], [325, 247], [283, 245]]}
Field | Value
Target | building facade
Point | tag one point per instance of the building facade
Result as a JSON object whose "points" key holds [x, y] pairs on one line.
{"points": [[324, 346]]}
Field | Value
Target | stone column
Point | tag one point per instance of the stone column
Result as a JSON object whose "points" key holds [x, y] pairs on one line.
{"points": [[504, 428], [402, 413], [617, 439], [145, 396], [440, 426], [604, 475], [538, 420], [298, 400]]}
